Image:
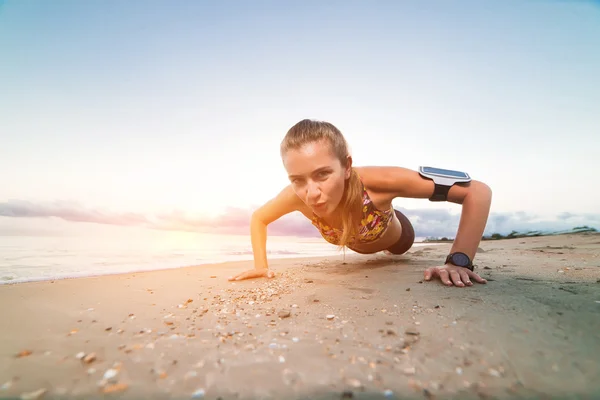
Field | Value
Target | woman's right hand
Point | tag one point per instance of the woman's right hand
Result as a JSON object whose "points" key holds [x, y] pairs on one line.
{"points": [[253, 273]]}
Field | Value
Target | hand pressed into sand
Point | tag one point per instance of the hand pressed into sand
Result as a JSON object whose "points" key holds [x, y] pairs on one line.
{"points": [[452, 275], [253, 273]]}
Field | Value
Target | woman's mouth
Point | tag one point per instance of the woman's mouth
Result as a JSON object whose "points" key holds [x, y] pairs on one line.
{"points": [[320, 206]]}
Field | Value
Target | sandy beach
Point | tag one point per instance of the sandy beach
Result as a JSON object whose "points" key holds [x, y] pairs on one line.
{"points": [[323, 329]]}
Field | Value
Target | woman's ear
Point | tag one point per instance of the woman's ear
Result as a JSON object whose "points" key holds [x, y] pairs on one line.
{"points": [[348, 171]]}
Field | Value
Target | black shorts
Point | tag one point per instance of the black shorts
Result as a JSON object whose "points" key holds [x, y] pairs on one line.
{"points": [[407, 239]]}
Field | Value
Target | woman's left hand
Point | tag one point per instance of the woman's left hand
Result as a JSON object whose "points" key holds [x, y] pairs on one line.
{"points": [[452, 275]]}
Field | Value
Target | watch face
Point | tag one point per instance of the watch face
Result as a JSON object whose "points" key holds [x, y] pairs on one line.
{"points": [[462, 260]]}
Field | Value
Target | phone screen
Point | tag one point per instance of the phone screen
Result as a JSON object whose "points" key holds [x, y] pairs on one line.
{"points": [[446, 172]]}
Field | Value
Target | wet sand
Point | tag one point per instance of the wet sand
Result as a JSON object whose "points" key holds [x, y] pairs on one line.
{"points": [[323, 329]]}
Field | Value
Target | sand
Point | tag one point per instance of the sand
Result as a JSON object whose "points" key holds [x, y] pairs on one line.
{"points": [[323, 329]]}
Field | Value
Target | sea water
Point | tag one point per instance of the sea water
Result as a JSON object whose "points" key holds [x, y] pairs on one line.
{"points": [[27, 258]]}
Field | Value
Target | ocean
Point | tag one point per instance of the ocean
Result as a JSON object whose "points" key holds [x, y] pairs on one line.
{"points": [[37, 258]]}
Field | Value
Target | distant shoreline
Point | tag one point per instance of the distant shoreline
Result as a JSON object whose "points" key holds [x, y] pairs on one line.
{"points": [[518, 235]]}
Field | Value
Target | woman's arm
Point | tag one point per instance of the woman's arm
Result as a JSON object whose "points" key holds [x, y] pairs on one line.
{"points": [[475, 198], [476, 203], [284, 203]]}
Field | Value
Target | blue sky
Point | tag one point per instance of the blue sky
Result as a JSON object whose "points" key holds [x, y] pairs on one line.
{"points": [[125, 111]]}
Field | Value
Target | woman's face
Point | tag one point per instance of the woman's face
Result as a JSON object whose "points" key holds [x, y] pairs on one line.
{"points": [[317, 176]]}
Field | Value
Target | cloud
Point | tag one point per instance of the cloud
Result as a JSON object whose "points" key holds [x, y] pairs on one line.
{"points": [[439, 223], [231, 221], [566, 216], [69, 212], [427, 222], [522, 222], [431, 222]]}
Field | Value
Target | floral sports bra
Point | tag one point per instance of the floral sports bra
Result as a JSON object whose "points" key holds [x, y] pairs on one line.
{"points": [[372, 226]]}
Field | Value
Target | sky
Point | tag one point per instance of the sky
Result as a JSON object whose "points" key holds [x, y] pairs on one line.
{"points": [[170, 114]]}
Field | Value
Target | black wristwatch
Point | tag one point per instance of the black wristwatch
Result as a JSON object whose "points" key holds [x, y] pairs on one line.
{"points": [[460, 260]]}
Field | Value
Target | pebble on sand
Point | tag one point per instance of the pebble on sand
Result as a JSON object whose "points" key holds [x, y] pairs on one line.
{"points": [[412, 331], [33, 395], [89, 358], [409, 370], [115, 388], [110, 374], [23, 353], [355, 383]]}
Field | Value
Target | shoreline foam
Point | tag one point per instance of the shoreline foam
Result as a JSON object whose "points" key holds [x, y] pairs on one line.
{"points": [[232, 256]]}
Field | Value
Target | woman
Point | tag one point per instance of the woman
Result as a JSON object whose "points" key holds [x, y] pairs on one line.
{"points": [[352, 206]]}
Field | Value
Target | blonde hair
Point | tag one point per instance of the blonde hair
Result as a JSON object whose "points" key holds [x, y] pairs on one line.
{"points": [[310, 131]]}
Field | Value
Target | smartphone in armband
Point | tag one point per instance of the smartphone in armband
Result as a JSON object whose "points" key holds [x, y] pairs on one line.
{"points": [[443, 179]]}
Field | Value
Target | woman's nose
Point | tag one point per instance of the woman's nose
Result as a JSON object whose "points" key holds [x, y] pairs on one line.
{"points": [[313, 191]]}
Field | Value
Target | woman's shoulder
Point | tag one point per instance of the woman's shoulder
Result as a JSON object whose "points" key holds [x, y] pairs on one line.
{"points": [[289, 196], [295, 203], [285, 202], [377, 177], [388, 182]]}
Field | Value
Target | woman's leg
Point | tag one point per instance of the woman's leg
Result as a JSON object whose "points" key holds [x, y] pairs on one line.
{"points": [[408, 235]]}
